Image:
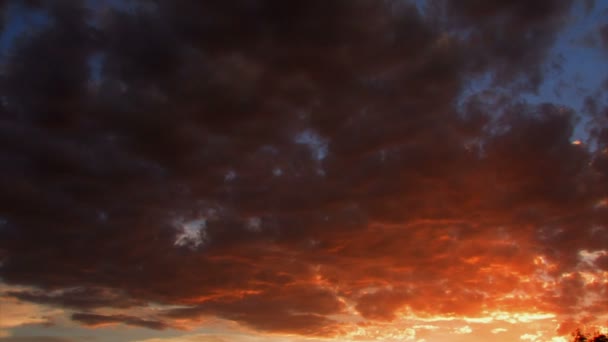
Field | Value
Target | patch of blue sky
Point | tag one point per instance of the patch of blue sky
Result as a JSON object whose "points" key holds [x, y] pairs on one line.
{"points": [[20, 20], [318, 145], [581, 68], [95, 67]]}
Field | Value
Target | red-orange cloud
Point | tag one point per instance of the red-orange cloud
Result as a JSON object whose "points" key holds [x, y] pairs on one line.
{"points": [[317, 161]]}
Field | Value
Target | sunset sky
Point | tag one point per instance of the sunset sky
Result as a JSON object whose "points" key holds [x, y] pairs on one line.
{"points": [[303, 170]]}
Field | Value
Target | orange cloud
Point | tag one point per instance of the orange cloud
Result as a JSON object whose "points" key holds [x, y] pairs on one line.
{"points": [[318, 170]]}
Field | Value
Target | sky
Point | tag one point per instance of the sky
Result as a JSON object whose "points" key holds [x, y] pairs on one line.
{"points": [[303, 171]]}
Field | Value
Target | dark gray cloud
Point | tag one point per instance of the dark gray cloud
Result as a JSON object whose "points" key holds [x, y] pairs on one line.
{"points": [[35, 339], [98, 320], [79, 298], [604, 34], [266, 161]]}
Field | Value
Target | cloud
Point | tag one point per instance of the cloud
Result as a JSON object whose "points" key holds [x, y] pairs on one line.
{"points": [[296, 168], [381, 304], [35, 339], [194, 338], [226, 338], [17, 313], [604, 34], [79, 298], [463, 330], [100, 320], [300, 309], [531, 337], [2, 15]]}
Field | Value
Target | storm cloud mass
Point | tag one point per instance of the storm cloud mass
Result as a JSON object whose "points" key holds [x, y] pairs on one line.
{"points": [[286, 164]]}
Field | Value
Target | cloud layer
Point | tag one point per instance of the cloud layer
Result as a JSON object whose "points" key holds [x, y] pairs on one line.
{"points": [[285, 165]]}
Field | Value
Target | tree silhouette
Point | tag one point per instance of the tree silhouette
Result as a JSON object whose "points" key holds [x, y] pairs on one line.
{"points": [[580, 337]]}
